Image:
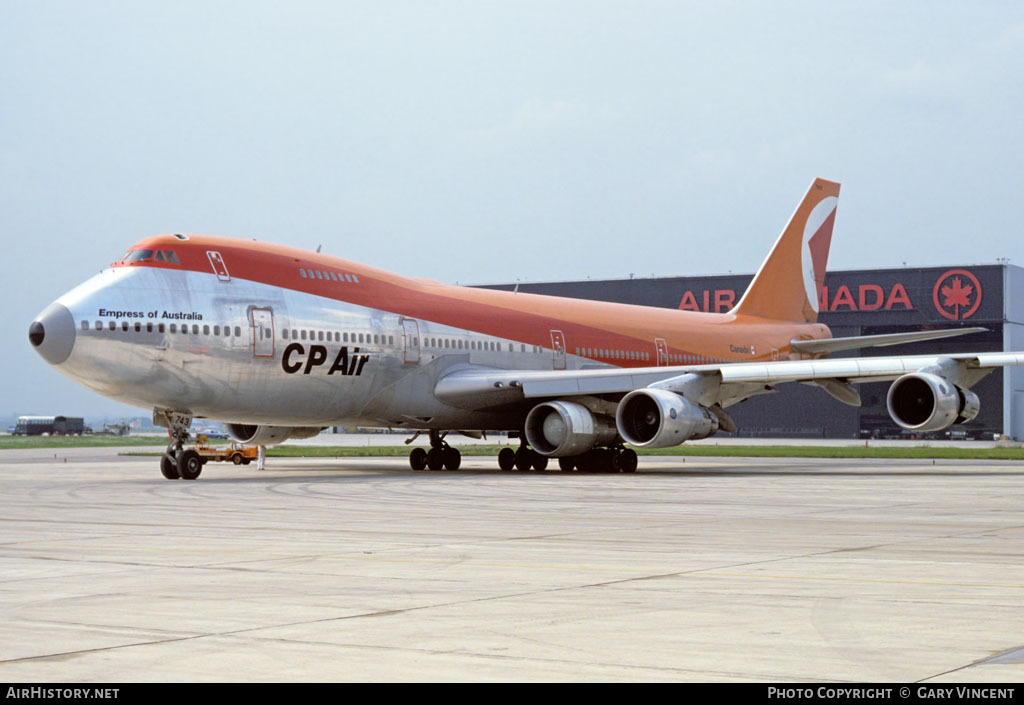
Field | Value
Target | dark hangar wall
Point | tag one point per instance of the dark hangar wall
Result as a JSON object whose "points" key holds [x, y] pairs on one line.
{"points": [[852, 302]]}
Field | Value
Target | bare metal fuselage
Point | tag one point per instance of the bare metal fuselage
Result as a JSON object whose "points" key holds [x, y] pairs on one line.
{"points": [[252, 353]]}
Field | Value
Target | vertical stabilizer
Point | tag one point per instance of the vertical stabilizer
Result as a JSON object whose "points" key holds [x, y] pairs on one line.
{"points": [[786, 286]]}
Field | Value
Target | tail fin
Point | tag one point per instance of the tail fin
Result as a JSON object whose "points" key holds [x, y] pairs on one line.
{"points": [[786, 286]]}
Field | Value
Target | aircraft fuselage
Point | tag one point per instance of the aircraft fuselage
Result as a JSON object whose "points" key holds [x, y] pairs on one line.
{"points": [[249, 333]]}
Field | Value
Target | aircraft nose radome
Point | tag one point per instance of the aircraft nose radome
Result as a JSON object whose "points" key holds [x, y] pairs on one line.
{"points": [[52, 333]]}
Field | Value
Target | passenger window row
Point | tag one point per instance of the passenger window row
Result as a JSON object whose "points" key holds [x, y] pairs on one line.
{"points": [[150, 327], [646, 357], [329, 275], [613, 354], [484, 345], [377, 339], [336, 336]]}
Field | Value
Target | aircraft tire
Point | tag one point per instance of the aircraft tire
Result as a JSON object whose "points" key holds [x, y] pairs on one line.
{"points": [[506, 459], [523, 459], [190, 465], [452, 458], [567, 464], [609, 460], [629, 460], [540, 462], [585, 462], [435, 459], [168, 468], [418, 459]]}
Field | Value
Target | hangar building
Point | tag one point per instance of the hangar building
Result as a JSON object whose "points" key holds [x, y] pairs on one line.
{"points": [[861, 302]]}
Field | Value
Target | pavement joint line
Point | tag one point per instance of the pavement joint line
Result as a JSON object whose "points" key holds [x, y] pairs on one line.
{"points": [[649, 574], [696, 520], [379, 613], [987, 661], [254, 630], [438, 652]]}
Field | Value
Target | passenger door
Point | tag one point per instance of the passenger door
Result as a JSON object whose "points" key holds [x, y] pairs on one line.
{"points": [[411, 333], [261, 328], [558, 346], [662, 348]]}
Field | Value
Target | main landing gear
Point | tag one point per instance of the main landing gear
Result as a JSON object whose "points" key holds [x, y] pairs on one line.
{"points": [[594, 460], [618, 459], [522, 459], [177, 463], [441, 456]]}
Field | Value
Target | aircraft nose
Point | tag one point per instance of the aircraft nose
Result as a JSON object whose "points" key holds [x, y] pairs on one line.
{"points": [[52, 333]]}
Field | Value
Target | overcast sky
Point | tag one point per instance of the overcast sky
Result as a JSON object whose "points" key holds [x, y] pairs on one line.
{"points": [[492, 141]]}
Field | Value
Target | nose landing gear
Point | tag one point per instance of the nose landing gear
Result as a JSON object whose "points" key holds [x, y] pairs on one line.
{"points": [[177, 463]]}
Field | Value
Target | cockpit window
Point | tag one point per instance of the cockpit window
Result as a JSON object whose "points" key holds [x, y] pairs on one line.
{"points": [[154, 255], [138, 255]]}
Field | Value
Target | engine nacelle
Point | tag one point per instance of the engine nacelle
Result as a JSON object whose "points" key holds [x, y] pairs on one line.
{"points": [[658, 418], [562, 428], [922, 401], [268, 435]]}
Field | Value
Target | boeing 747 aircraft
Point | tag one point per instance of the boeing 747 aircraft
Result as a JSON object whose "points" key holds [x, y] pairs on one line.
{"points": [[279, 342]]}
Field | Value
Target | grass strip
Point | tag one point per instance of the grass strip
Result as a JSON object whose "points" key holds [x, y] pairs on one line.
{"points": [[20, 442]]}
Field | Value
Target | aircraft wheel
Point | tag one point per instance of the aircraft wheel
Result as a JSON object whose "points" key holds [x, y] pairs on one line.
{"points": [[506, 459], [540, 462], [435, 459], [190, 464], [168, 468], [614, 461], [418, 459], [452, 458], [629, 460], [524, 459], [567, 464]]}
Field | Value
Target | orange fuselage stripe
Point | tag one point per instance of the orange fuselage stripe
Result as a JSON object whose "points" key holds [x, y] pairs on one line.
{"points": [[527, 318]]}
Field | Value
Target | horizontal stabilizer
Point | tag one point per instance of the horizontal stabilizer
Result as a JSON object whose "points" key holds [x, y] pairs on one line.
{"points": [[829, 345]]}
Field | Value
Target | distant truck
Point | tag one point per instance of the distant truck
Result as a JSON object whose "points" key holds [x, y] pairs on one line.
{"points": [[50, 426], [115, 429]]}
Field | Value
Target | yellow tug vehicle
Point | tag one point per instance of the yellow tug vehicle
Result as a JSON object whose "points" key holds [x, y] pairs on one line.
{"points": [[236, 453]]}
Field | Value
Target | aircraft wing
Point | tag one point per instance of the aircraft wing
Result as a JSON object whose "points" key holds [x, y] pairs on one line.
{"points": [[829, 345], [483, 387]]}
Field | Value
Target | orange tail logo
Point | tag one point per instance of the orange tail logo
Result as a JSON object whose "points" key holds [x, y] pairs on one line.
{"points": [[786, 286]]}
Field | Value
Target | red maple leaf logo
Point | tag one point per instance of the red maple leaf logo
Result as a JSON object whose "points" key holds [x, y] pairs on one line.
{"points": [[958, 294]]}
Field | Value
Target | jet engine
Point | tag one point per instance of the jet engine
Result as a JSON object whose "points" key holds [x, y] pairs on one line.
{"points": [[922, 401], [658, 418], [562, 428], [268, 435]]}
